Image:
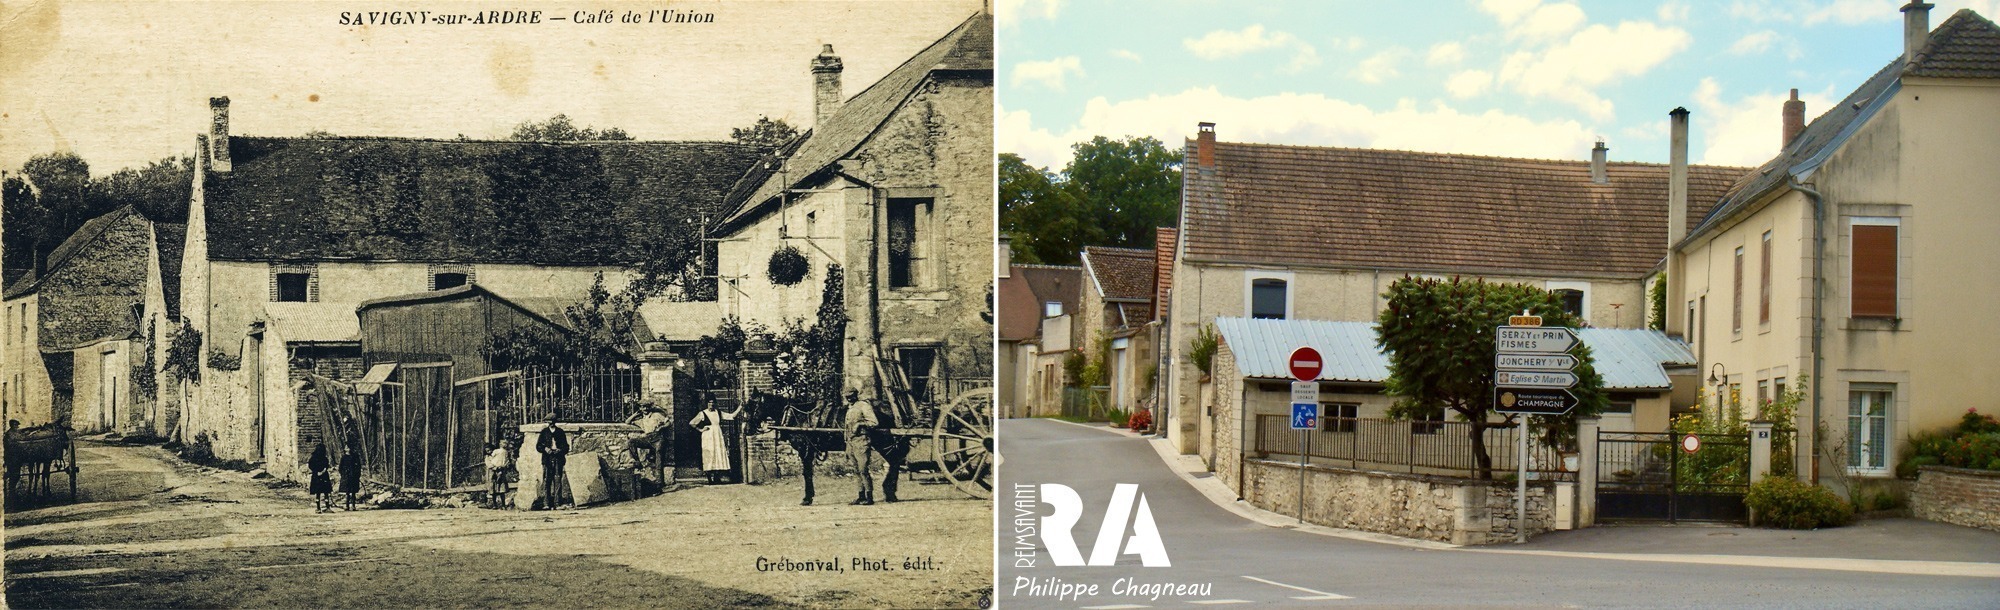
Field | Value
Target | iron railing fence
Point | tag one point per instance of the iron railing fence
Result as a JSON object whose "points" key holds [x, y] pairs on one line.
{"points": [[577, 394], [1417, 447], [1087, 404]]}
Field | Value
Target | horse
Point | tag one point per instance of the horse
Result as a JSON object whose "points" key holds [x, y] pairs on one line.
{"points": [[816, 433], [35, 450]]}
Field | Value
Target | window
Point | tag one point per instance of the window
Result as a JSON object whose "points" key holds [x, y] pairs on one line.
{"points": [[1868, 428], [1052, 309], [1338, 416], [1763, 395], [1736, 307], [1764, 283], [442, 281], [1690, 323], [292, 287], [908, 223], [1778, 389], [1736, 401], [448, 275], [1619, 406], [1428, 423], [1267, 298], [919, 367], [1873, 268], [1572, 300]]}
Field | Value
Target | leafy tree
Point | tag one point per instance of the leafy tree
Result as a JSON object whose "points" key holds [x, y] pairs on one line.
{"points": [[160, 190], [559, 128], [1439, 337], [54, 194], [598, 333], [1659, 303], [765, 133], [1034, 215], [1112, 193]]}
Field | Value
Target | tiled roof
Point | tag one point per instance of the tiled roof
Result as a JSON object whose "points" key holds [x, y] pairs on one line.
{"points": [[596, 203], [1627, 359], [1024, 291], [1386, 209], [1120, 273], [86, 233], [1966, 45], [93, 281], [1163, 268], [968, 47]]}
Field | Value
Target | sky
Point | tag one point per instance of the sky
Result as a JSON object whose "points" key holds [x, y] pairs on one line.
{"points": [[1515, 78], [124, 83]]}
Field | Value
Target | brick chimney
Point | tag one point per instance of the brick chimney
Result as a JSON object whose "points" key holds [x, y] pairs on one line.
{"points": [[1677, 177], [1204, 145], [218, 134], [1795, 119], [826, 85], [1597, 163], [1916, 27]]}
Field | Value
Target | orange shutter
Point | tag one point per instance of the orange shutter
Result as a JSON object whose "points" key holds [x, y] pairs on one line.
{"points": [[1736, 310], [1874, 267], [1764, 284]]}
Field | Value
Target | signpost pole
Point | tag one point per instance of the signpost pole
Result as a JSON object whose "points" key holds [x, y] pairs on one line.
{"points": [[1521, 482], [1307, 440]]}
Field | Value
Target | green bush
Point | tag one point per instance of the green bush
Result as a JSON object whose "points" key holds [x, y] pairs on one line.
{"points": [[1202, 348], [1973, 443], [1787, 503]]}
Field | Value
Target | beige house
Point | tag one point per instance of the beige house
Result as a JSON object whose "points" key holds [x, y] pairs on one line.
{"points": [[1318, 233], [1860, 265], [1029, 295]]}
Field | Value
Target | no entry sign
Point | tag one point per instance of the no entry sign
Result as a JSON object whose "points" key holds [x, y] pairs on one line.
{"points": [[1305, 364]]}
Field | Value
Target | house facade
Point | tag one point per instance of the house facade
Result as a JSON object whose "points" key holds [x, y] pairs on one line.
{"points": [[1029, 296], [1851, 266], [1314, 233], [1115, 322]]}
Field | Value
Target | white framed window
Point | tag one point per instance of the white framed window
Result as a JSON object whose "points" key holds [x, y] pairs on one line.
{"points": [[1052, 309], [1575, 297], [1868, 417], [1268, 295]]}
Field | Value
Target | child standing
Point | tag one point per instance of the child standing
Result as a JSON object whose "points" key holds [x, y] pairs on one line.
{"points": [[499, 467], [322, 479]]}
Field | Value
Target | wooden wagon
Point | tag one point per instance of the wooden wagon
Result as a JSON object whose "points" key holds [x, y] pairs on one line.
{"points": [[38, 453], [960, 430]]}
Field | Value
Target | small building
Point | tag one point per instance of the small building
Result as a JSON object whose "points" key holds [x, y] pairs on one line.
{"points": [[1029, 295], [1116, 322]]}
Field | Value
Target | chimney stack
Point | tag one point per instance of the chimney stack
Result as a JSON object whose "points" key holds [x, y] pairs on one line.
{"points": [[1597, 164], [1204, 145], [1795, 119], [218, 134], [1006, 257], [1916, 27], [826, 85], [1677, 178]]}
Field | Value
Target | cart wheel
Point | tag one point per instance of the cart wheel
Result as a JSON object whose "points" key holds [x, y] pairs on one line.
{"points": [[963, 440]]}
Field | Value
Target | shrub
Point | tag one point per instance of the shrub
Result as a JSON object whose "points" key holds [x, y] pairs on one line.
{"points": [[1787, 503], [1141, 420], [788, 266], [1117, 418], [1973, 443], [1202, 348]]}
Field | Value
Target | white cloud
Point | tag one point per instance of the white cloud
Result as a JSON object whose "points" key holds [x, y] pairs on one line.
{"points": [[1010, 12], [1224, 44], [1469, 83], [1595, 56], [1548, 22], [1747, 130], [1306, 119], [1672, 11], [1379, 67], [1852, 12], [1445, 54], [1048, 73], [1754, 43], [1127, 54], [1508, 11]]}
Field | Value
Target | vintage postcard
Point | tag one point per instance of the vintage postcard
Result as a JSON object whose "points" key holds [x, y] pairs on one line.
{"points": [[462, 304]]}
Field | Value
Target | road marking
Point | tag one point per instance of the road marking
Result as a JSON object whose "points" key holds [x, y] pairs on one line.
{"points": [[64, 573], [1877, 566], [1212, 602], [1316, 594], [304, 565], [1115, 607]]}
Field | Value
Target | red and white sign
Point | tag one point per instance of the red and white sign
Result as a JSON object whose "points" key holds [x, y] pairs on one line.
{"points": [[1305, 364], [1690, 443]]}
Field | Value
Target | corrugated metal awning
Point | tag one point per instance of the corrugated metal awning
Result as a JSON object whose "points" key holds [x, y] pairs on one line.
{"points": [[1628, 359]]}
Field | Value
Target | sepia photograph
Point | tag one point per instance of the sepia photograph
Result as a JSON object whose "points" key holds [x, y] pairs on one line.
{"points": [[466, 304]]}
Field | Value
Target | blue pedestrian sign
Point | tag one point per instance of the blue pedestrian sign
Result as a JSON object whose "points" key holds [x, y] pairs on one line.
{"points": [[1305, 416]]}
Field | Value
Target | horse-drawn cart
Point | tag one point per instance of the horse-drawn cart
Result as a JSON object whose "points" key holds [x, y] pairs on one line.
{"points": [[38, 453], [959, 431]]}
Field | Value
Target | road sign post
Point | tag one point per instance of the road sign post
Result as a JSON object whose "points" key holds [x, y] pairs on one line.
{"points": [[1305, 365], [1531, 376]]}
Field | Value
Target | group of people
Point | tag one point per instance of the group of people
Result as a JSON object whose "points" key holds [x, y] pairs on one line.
{"points": [[322, 475]]}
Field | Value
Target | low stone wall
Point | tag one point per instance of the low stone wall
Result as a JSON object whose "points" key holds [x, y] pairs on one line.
{"points": [[1425, 507], [1957, 496]]}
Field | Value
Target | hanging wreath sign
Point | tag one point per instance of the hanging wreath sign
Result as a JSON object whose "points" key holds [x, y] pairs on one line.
{"points": [[788, 266]]}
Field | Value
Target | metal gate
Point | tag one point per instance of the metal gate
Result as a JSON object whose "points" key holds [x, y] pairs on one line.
{"points": [[1649, 476]]}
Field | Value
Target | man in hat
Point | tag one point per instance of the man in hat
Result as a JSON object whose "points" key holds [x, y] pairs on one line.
{"points": [[859, 425], [554, 447], [653, 426]]}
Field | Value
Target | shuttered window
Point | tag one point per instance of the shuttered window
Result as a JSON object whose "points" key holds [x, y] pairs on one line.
{"points": [[1873, 262], [1764, 283], [1736, 308]]}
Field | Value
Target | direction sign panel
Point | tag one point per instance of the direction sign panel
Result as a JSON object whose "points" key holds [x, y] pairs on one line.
{"points": [[1304, 363], [1535, 379], [1533, 339], [1533, 401], [1305, 416], [1534, 362]]}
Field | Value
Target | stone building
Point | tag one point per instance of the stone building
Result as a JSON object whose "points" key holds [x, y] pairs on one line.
{"points": [[1860, 258], [1115, 322], [1318, 233], [1028, 367], [83, 339]]}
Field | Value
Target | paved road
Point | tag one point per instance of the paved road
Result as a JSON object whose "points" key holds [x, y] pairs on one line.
{"points": [[1245, 562], [151, 531]]}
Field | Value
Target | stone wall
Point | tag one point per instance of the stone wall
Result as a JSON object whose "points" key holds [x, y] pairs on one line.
{"points": [[1957, 496], [770, 458], [1442, 509], [600, 465]]}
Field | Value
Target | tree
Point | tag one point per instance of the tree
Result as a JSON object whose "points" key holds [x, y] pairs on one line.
{"points": [[559, 128], [1439, 337], [1112, 193], [765, 133], [1659, 304], [160, 190]]}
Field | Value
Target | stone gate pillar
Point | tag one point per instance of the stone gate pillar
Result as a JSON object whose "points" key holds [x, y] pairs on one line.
{"points": [[1586, 471], [656, 374], [1760, 450], [756, 455]]}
